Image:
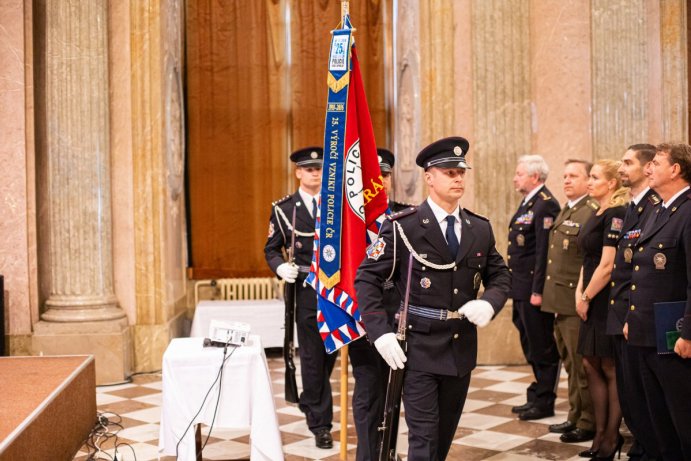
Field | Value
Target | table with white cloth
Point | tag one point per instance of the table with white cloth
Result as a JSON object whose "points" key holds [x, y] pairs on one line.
{"points": [[265, 317], [246, 399]]}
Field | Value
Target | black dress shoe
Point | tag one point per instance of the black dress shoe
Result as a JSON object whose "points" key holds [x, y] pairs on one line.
{"points": [[562, 428], [577, 435], [521, 408], [535, 413], [589, 453], [323, 439]]}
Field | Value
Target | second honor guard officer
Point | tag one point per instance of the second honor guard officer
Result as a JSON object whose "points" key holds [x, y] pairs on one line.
{"points": [[454, 252], [315, 364], [528, 244], [386, 162]]}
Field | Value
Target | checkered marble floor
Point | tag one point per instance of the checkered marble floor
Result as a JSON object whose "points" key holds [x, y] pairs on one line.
{"points": [[487, 430]]}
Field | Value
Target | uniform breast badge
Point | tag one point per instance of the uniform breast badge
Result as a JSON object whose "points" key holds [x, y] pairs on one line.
{"points": [[425, 282], [520, 240], [628, 255], [298, 245], [565, 244], [547, 222], [660, 261], [476, 281]]}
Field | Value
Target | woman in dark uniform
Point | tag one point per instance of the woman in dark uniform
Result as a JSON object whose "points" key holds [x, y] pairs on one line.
{"points": [[598, 240]]}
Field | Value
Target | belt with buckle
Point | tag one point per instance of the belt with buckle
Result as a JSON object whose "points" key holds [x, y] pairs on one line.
{"points": [[433, 313], [304, 269]]}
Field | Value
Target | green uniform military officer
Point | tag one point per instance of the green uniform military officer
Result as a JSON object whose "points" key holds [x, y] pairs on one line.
{"points": [[443, 312], [564, 260]]}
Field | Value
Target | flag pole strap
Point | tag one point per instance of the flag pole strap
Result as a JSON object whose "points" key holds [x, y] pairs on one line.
{"points": [[344, 403]]}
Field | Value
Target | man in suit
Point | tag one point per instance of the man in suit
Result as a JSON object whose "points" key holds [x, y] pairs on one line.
{"points": [[528, 243], [315, 364], [634, 163], [564, 260], [662, 273], [443, 312]]}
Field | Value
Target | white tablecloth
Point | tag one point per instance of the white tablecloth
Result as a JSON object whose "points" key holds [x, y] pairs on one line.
{"points": [[246, 397], [265, 318]]}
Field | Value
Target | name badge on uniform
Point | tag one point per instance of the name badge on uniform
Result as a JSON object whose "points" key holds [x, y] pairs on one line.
{"points": [[565, 244], [476, 281], [660, 261], [520, 240], [628, 255], [425, 282]]}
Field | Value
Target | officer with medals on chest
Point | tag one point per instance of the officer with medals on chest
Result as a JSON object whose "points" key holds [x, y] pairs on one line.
{"points": [[315, 364], [662, 273], [634, 163], [564, 260], [527, 254], [454, 253]]}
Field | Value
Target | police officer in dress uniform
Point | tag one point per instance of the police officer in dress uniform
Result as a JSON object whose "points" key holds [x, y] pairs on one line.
{"points": [[632, 171], [386, 163], [528, 243], [369, 369], [564, 260], [454, 251], [661, 262], [315, 364]]}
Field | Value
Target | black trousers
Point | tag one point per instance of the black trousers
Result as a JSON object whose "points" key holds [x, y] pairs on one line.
{"points": [[667, 390], [433, 406], [536, 332], [371, 375], [632, 397], [316, 401]]}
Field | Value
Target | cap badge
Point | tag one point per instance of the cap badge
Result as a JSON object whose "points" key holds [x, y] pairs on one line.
{"points": [[379, 157], [314, 155], [457, 150]]}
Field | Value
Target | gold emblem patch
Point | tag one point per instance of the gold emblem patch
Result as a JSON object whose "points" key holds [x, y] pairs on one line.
{"points": [[660, 261]]}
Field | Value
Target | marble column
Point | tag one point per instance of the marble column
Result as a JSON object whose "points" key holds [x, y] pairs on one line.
{"points": [[82, 313], [675, 72], [620, 81]]}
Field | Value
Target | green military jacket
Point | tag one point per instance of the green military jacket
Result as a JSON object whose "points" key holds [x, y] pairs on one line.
{"points": [[564, 258]]}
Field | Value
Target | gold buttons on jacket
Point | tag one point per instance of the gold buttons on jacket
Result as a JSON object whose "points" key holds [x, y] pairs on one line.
{"points": [[633, 287], [636, 268], [633, 308], [611, 301], [548, 277], [455, 291], [455, 336]]}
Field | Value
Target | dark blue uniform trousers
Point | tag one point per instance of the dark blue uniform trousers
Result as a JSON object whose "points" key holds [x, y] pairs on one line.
{"points": [[316, 401], [536, 332]]}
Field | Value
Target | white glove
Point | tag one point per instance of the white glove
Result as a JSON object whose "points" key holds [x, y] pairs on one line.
{"points": [[477, 311], [390, 350], [288, 272]]}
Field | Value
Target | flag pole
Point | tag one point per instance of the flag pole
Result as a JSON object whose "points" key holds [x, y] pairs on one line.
{"points": [[345, 10]]}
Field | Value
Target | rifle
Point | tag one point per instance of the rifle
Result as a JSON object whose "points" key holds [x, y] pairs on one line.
{"points": [[394, 388], [291, 387]]}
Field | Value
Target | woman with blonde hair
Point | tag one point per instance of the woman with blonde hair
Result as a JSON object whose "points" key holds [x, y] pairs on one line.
{"points": [[598, 239]]}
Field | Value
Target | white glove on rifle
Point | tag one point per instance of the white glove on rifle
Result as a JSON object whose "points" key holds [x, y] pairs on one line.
{"points": [[288, 272], [390, 350], [477, 311]]}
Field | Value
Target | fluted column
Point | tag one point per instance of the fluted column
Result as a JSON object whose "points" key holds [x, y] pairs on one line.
{"points": [[675, 72], [77, 162], [620, 81], [501, 90]]}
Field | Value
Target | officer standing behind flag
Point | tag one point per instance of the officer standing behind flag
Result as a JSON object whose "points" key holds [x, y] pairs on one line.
{"points": [[315, 364], [386, 163], [369, 369], [528, 241], [662, 273], [632, 171], [443, 311]]}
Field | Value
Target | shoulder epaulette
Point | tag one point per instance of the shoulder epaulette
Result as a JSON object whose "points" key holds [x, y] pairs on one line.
{"points": [[402, 213], [404, 204], [281, 200], [545, 196], [593, 204], [654, 199], [476, 215]]}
